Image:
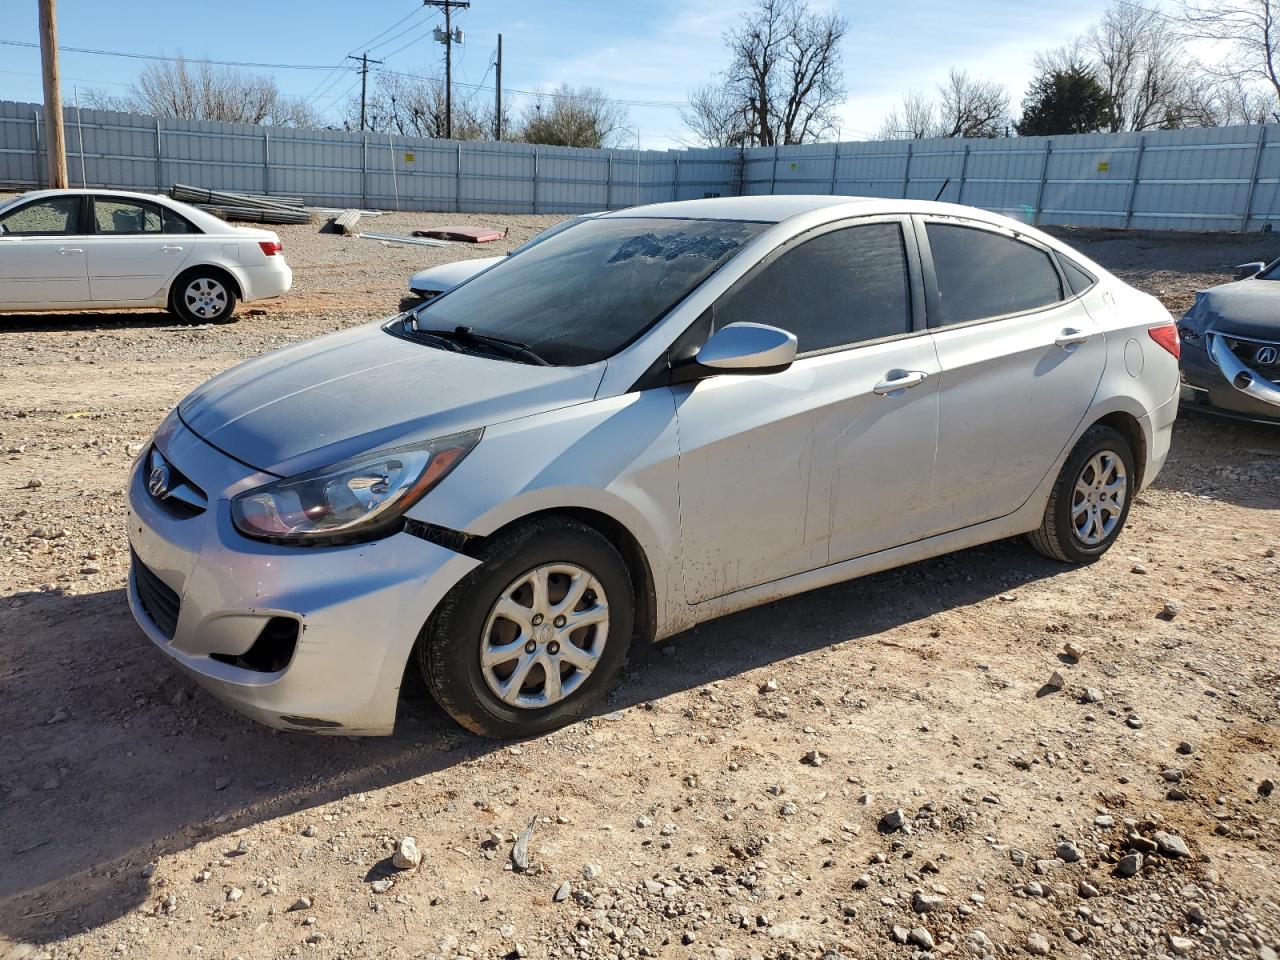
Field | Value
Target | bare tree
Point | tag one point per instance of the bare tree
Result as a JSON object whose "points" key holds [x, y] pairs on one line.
{"points": [[784, 80], [176, 88], [1251, 31], [574, 117], [966, 107], [414, 106], [1140, 61]]}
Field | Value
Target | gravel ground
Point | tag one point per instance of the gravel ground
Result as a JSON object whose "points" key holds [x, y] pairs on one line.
{"points": [[886, 768]]}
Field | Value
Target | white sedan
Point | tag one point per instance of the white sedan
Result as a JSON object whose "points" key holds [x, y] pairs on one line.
{"points": [[91, 249]]}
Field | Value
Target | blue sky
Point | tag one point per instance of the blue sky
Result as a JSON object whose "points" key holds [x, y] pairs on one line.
{"points": [[652, 52]]}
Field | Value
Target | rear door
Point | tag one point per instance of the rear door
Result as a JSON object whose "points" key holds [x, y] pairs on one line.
{"points": [[137, 248], [787, 472], [42, 254], [1021, 360]]}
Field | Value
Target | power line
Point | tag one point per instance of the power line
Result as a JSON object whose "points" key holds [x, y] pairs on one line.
{"points": [[150, 56], [537, 93]]}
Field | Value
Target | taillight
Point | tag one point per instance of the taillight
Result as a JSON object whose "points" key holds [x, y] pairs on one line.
{"points": [[1167, 336], [271, 247]]}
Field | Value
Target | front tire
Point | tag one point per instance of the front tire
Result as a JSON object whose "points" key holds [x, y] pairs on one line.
{"points": [[529, 640], [203, 296], [1090, 500]]}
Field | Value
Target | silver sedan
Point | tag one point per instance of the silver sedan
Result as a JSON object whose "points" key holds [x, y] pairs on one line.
{"points": [[655, 417]]}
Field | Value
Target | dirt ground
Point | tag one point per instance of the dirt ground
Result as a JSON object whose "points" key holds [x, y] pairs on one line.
{"points": [[736, 795]]}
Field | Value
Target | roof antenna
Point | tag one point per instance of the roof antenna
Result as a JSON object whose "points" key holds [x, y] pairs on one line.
{"points": [[945, 183]]}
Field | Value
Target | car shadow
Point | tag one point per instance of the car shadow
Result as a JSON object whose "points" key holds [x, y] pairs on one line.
{"points": [[132, 762], [87, 320]]}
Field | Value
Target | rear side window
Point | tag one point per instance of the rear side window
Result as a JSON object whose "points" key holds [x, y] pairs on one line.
{"points": [[125, 216], [56, 216], [983, 274], [1077, 279], [842, 287], [175, 222]]}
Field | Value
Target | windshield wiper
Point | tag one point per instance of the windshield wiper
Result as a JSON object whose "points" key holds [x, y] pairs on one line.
{"points": [[464, 334]]}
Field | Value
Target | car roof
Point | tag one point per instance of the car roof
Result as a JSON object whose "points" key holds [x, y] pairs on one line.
{"points": [[79, 191], [202, 218]]}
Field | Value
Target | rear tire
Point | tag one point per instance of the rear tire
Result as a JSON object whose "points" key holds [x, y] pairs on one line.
{"points": [[512, 614], [1090, 500], [203, 296]]}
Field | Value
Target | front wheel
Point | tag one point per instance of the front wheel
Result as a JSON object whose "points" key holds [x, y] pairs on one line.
{"points": [[1090, 500], [530, 639], [202, 297]]}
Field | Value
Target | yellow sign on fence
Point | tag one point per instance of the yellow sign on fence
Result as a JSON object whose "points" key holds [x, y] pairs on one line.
{"points": [[408, 158], [1104, 166]]}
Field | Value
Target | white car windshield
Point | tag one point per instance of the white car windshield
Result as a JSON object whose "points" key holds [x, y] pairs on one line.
{"points": [[584, 294]]}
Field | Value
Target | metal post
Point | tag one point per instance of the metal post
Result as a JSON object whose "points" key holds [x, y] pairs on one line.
{"points": [[906, 171], [497, 95], [964, 168], [457, 181], [773, 177], [159, 161], [1133, 182], [84, 182], [35, 147], [266, 162], [535, 179], [1253, 179], [364, 170], [835, 166], [395, 186], [675, 177], [1044, 176], [608, 181]]}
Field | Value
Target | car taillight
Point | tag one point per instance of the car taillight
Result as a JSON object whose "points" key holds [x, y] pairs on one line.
{"points": [[271, 247], [1167, 336]]}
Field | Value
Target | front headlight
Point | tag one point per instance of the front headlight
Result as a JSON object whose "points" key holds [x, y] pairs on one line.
{"points": [[356, 500]]}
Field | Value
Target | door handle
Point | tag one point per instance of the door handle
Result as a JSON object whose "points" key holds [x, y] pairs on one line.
{"points": [[899, 381], [172, 249], [1072, 338], [65, 251]]}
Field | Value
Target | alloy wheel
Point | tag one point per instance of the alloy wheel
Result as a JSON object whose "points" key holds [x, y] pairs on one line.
{"points": [[544, 635], [1098, 500], [205, 297]]}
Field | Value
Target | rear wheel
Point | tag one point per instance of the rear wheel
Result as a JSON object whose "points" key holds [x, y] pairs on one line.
{"points": [[202, 296], [529, 640], [1090, 500]]}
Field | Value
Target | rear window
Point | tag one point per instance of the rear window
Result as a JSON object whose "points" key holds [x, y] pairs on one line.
{"points": [[582, 295], [982, 274], [1077, 279]]}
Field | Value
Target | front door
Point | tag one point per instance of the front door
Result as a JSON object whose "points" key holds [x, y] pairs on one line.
{"points": [[134, 252], [1021, 360], [42, 254], [832, 458]]}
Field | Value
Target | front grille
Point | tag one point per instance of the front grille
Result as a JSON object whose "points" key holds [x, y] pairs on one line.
{"points": [[1260, 355], [171, 488], [159, 601]]}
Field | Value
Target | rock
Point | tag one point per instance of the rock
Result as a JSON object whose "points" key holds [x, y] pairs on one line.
{"points": [[35, 483], [406, 856], [58, 716], [309, 830], [922, 902], [89, 569], [302, 903], [1037, 945], [1133, 721], [1171, 845], [788, 809], [1073, 650], [1056, 681], [234, 895], [1181, 945], [769, 686], [318, 937], [221, 783], [562, 892], [1171, 775], [899, 934], [1104, 820], [893, 820], [813, 758], [381, 886], [653, 887], [920, 937], [1171, 609], [1139, 568], [1087, 890], [1186, 749], [1092, 695], [862, 882], [149, 870], [1067, 852], [1033, 889], [591, 871], [1129, 865], [520, 852], [1266, 787]]}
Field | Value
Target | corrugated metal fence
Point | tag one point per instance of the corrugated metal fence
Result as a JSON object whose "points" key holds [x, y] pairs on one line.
{"points": [[1225, 178]]}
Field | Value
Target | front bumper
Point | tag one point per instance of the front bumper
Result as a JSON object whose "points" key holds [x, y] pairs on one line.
{"points": [[359, 608], [1216, 380]]}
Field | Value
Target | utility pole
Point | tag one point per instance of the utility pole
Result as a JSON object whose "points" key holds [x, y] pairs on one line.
{"points": [[449, 37], [497, 107], [55, 138], [364, 81]]}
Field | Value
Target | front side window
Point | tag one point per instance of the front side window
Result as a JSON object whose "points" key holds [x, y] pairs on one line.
{"points": [[125, 216], [982, 274], [56, 216], [582, 295], [843, 287]]}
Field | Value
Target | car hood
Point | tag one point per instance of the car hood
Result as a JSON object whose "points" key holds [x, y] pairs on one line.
{"points": [[324, 401], [449, 275], [1250, 308]]}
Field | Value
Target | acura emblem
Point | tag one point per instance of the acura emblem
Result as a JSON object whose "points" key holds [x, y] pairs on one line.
{"points": [[158, 481], [1265, 356]]}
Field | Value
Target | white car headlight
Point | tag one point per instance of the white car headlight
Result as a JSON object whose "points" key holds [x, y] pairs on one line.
{"points": [[356, 500]]}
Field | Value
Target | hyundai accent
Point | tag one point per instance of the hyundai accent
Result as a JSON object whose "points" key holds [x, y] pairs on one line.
{"points": [[654, 417]]}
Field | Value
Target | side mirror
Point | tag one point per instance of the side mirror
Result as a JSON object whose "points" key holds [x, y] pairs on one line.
{"points": [[747, 348], [1246, 270]]}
